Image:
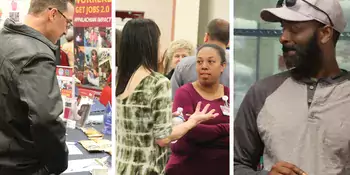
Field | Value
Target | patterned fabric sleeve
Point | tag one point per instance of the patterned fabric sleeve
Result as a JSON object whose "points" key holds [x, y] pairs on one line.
{"points": [[161, 109]]}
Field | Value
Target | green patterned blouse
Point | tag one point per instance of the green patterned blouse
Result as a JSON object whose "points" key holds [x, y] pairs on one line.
{"points": [[143, 117]]}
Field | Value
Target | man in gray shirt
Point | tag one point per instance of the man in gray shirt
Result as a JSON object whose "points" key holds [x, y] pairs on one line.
{"points": [[299, 120], [185, 71]]}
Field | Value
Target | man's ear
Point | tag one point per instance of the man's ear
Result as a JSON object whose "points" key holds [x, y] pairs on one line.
{"points": [[223, 67], [51, 14], [206, 38], [326, 34]]}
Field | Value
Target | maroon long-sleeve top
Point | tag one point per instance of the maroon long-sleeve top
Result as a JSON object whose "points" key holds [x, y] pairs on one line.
{"points": [[205, 149]]}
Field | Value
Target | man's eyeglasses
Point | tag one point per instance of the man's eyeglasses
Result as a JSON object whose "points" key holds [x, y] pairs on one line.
{"points": [[291, 3], [69, 22]]}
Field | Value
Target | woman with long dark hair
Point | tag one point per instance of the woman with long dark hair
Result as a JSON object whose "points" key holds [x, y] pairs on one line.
{"points": [[144, 118], [118, 35]]}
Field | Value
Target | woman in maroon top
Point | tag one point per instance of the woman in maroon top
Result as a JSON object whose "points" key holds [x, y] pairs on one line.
{"points": [[205, 149]]}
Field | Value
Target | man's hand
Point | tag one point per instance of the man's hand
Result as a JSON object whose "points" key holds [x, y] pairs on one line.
{"points": [[285, 168], [201, 116]]}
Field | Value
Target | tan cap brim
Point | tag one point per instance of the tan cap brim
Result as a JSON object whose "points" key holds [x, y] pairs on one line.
{"points": [[283, 13]]}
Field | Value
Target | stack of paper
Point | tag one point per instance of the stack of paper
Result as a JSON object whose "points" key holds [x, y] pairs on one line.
{"points": [[92, 133], [83, 165], [97, 145], [73, 149]]}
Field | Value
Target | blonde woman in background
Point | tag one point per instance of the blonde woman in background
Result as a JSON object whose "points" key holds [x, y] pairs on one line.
{"points": [[177, 50]]}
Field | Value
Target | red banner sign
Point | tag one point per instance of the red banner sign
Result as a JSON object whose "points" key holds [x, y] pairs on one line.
{"points": [[97, 13]]}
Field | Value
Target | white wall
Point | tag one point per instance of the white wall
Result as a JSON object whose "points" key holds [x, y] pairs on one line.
{"points": [[158, 10], [219, 9], [209, 10], [187, 20], [191, 16]]}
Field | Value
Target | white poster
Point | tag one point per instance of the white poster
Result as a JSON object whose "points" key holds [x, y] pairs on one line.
{"points": [[4, 12], [15, 9]]}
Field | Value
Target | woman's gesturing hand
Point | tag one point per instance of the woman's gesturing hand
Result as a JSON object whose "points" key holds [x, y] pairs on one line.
{"points": [[201, 116]]}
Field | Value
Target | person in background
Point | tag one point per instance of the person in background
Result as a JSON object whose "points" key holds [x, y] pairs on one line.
{"points": [[79, 57], [87, 37], [144, 118], [105, 43], [68, 47], [79, 39], [185, 72], [93, 36], [92, 76], [63, 59], [94, 60], [205, 149], [298, 120], [33, 137], [177, 50], [161, 59], [106, 93]]}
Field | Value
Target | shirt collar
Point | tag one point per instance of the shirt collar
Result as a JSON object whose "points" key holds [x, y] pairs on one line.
{"points": [[343, 75]]}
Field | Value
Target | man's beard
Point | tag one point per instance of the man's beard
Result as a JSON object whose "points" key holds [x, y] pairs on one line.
{"points": [[307, 61]]}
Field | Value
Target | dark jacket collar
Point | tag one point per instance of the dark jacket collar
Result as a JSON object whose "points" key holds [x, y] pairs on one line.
{"points": [[23, 29]]}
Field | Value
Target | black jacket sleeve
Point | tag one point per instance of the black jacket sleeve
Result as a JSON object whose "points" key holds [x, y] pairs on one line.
{"points": [[39, 90], [248, 146]]}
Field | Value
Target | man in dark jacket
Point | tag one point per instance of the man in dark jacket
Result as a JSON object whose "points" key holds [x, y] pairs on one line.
{"points": [[32, 136]]}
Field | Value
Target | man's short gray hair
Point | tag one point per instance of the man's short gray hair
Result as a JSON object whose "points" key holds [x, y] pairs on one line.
{"points": [[38, 6]]}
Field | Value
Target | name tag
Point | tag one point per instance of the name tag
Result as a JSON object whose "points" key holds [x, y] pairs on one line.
{"points": [[225, 110]]}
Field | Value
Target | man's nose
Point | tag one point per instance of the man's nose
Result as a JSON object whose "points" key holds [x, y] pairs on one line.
{"points": [[285, 37]]}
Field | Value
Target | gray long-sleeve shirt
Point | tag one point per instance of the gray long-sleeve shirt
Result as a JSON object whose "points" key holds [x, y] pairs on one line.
{"points": [[306, 123]]}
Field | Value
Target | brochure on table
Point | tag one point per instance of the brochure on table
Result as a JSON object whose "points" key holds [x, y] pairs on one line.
{"points": [[73, 149], [88, 165], [83, 105], [75, 109], [65, 78]]}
